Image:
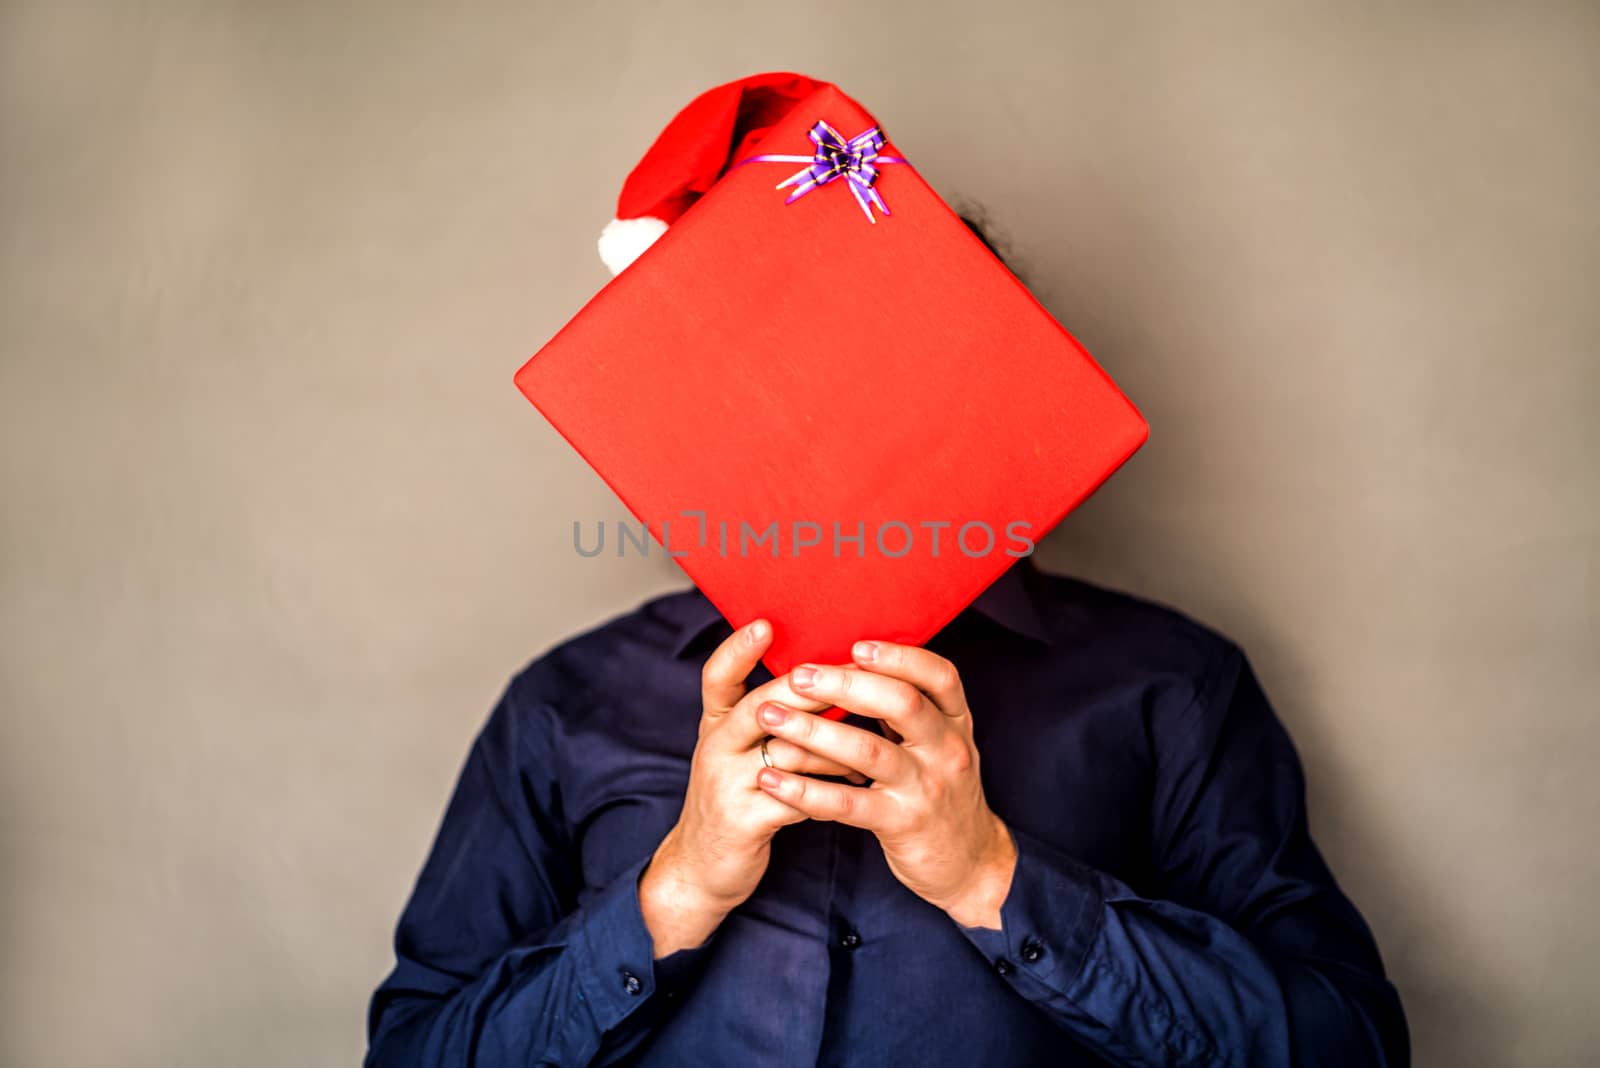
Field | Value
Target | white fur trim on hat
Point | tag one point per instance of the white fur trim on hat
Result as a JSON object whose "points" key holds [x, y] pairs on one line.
{"points": [[623, 240]]}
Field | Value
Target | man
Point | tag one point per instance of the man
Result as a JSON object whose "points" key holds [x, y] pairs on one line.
{"points": [[1070, 830]]}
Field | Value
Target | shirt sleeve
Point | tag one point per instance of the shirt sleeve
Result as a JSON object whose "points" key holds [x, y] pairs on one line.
{"points": [[502, 958], [1244, 951]]}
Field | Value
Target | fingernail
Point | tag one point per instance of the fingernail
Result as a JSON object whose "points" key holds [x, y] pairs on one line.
{"points": [[866, 652], [804, 677], [757, 632], [768, 779], [773, 715]]}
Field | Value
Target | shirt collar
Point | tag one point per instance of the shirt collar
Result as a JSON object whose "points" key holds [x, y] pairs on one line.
{"points": [[1007, 601]]}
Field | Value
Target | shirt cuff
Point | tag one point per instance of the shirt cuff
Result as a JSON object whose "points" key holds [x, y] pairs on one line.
{"points": [[1048, 920], [677, 970], [617, 972]]}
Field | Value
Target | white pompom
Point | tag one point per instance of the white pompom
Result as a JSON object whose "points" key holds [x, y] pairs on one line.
{"points": [[623, 240]]}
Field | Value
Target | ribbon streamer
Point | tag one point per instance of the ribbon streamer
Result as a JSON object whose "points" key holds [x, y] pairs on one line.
{"points": [[856, 160]]}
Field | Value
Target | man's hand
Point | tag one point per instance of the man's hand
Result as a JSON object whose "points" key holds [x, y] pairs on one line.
{"points": [[926, 802], [715, 855]]}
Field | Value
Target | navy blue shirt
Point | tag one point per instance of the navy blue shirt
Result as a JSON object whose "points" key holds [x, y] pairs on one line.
{"points": [[1168, 905]]}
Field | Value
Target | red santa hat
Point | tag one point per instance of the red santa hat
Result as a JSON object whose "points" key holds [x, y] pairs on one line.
{"points": [[717, 128]]}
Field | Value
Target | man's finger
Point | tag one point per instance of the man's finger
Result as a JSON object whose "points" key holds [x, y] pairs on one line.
{"points": [[786, 756], [771, 813], [856, 806], [722, 678], [866, 693], [740, 730], [840, 743], [927, 671]]}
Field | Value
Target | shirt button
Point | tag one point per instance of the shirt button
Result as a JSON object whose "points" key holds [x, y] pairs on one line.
{"points": [[1002, 966], [850, 940], [1032, 951], [631, 983]]}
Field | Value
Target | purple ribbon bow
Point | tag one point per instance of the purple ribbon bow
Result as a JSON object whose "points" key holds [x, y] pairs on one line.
{"points": [[855, 160]]}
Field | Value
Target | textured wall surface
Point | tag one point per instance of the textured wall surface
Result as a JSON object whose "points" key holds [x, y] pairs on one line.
{"points": [[276, 527]]}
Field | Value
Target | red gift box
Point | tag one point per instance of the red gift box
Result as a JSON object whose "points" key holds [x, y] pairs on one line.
{"points": [[795, 361]]}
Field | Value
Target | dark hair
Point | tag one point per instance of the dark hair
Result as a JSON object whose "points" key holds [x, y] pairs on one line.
{"points": [[976, 222]]}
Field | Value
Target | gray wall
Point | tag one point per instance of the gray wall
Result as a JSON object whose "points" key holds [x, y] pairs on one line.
{"points": [[277, 528]]}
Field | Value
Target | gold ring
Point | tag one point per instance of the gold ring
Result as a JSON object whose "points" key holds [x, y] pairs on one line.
{"points": [[766, 757]]}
